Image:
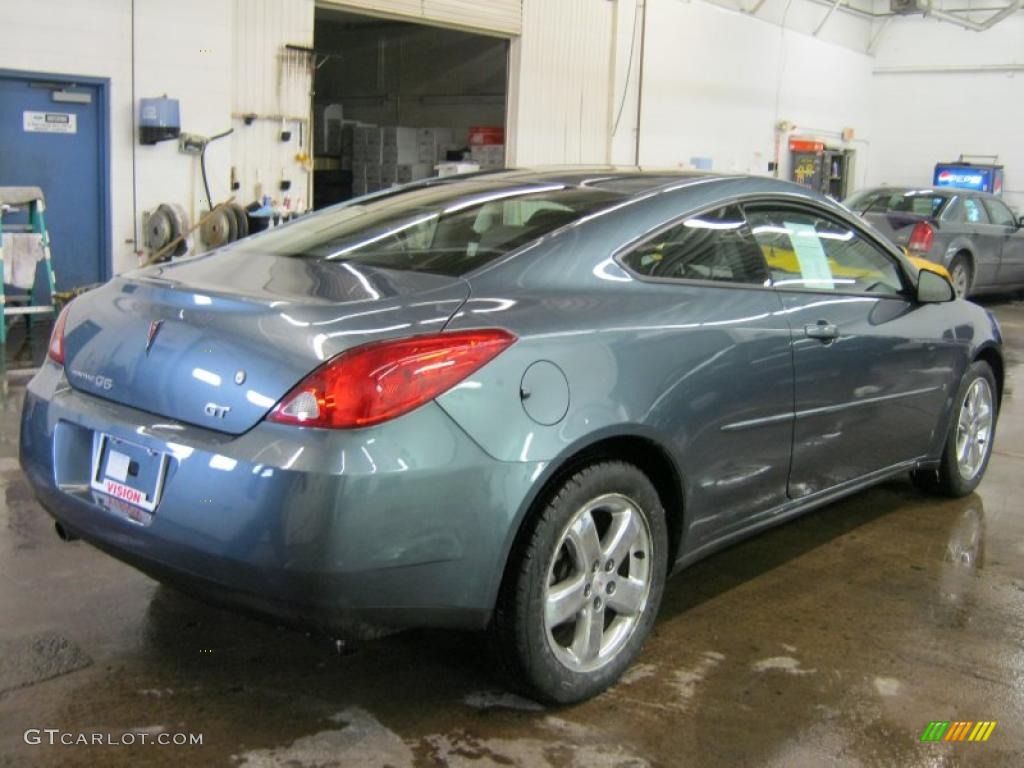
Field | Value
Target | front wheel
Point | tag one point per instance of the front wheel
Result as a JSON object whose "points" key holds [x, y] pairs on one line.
{"points": [[580, 596], [970, 438]]}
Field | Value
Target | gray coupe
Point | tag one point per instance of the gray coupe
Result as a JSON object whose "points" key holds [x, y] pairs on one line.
{"points": [[516, 401]]}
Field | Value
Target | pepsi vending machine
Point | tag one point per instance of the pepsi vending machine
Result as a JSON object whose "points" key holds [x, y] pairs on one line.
{"points": [[964, 175]]}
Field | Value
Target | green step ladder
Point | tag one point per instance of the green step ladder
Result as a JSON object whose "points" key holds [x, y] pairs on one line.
{"points": [[23, 304]]}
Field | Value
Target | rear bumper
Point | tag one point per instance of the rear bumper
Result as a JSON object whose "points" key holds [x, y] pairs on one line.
{"points": [[404, 524]]}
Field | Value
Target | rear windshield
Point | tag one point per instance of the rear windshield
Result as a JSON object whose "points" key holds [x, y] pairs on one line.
{"points": [[448, 229], [918, 203]]}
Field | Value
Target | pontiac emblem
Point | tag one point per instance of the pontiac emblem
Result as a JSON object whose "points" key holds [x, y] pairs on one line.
{"points": [[154, 329]]}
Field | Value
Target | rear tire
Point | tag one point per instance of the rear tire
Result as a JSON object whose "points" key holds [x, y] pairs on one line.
{"points": [[581, 594], [971, 435], [962, 272]]}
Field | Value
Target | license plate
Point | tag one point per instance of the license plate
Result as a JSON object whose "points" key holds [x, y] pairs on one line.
{"points": [[130, 473]]}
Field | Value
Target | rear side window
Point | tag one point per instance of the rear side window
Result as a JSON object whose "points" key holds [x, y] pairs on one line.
{"points": [[450, 229], [713, 246], [917, 203], [813, 252]]}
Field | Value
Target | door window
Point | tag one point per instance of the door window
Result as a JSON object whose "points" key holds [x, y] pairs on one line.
{"points": [[1000, 214], [813, 252], [711, 246], [974, 212]]}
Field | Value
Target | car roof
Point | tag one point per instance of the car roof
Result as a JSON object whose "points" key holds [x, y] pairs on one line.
{"points": [[937, 191], [629, 182]]}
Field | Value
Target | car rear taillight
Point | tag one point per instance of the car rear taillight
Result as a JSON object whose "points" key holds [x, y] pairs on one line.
{"points": [[377, 382], [56, 350], [922, 237]]}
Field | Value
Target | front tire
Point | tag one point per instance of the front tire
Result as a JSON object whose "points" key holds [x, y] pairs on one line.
{"points": [[971, 434], [581, 595]]}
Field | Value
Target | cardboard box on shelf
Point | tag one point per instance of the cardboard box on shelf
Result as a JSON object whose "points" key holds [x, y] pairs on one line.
{"points": [[450, 169], [488, 156], [399, 135], [412, 172], [435, 135], [431, 144], [399, 154], [486, 135]]}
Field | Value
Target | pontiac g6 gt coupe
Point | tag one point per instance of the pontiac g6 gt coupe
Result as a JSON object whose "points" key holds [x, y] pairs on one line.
{"points": [[514, 401]]}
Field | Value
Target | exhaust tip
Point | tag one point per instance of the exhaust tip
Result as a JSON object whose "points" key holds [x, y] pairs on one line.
{"points": [[63, 533]]}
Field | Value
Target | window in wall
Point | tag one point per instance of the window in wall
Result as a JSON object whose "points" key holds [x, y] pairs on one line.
{"points": [[813, 252], [712, 246]]}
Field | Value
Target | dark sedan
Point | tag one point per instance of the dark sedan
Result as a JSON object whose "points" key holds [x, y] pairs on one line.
{"points": [[516, 400], [972, 234]]}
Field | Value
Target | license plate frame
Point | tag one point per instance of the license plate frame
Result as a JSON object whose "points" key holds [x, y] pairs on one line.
{"points": [[145, 496]]}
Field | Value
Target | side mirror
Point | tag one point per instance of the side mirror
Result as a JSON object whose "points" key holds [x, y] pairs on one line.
{"points": [[933, 288], [1020, 222]]}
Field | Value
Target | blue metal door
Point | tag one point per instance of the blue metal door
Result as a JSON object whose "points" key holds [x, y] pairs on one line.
{"points": [[60, 147]]}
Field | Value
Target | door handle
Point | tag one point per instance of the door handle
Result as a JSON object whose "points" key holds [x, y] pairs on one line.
{"points": [[822, 331]]}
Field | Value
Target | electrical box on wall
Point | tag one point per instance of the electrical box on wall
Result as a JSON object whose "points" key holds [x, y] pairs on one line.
{"points": [[159, 120]]}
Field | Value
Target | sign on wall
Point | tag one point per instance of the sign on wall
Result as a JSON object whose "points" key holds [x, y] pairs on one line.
{"points": [[49, 122]]}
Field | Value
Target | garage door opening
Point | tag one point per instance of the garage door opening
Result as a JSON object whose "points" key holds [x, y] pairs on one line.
{"points": [[397, 101]]}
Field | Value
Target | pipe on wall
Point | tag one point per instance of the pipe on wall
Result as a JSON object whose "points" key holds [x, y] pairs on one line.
{"points": [[951, 69], [640, 79]]}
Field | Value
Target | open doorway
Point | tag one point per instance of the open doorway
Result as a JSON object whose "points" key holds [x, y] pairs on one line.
{"points": [[395, 100]]}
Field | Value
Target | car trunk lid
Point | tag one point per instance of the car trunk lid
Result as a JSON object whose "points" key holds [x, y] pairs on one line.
{"points": [[217, 342], [898, 227]]}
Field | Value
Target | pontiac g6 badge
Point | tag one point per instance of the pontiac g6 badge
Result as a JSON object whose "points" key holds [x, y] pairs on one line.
{"points": [[154, 329]]}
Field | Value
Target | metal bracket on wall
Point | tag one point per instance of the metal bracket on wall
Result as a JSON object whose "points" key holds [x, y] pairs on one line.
{"points": [[250, 117], [312, 54]]}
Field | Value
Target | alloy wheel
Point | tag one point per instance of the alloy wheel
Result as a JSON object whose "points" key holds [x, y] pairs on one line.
{"points": [[598, 583], [960, 280], [974, 428]]}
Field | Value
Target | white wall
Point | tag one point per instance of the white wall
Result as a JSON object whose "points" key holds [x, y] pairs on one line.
{"points": [[920, 119], [559, 102], [267, 81], [184, 49], [716, 82]]}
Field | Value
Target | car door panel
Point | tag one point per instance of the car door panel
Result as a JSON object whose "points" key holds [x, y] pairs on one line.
{"points": [[1011, 259], [987, 242], [871, 398], [869, 382]]}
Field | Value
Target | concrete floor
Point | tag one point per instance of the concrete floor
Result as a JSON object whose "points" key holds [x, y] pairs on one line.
{"points": [[833, 639]]}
